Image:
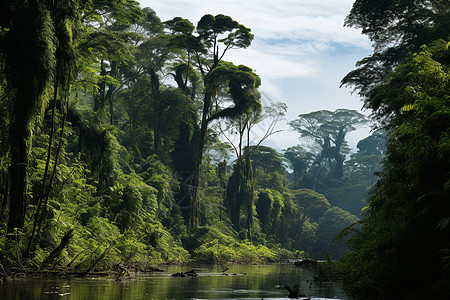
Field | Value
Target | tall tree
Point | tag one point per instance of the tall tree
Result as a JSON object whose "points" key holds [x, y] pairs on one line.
{"points": [[29, 62], [328, 130], [241, 184], [212, 33]]}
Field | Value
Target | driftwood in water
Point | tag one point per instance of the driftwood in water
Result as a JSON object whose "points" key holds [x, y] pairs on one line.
{"points": [[190, 273], [293, 293]]}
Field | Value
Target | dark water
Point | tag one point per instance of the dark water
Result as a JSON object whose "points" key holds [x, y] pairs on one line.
{"points": [[251, 282]]}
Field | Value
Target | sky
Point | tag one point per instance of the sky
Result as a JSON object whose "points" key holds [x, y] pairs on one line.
{"points": [[301, 51]]}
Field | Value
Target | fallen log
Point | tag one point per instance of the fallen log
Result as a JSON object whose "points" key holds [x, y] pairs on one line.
{"points": [[64, 242]]}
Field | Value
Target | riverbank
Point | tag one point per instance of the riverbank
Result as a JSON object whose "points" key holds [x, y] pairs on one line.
{"points": [[206, 245]]}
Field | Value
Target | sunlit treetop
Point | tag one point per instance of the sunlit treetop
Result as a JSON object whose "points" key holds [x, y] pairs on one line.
{"points": [[210, 28]]}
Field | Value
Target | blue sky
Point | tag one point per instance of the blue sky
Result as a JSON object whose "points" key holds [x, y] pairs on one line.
{"points": [[301, 51]]}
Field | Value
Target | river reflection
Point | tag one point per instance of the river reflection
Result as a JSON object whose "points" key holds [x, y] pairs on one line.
{"points": [[250, 282]]}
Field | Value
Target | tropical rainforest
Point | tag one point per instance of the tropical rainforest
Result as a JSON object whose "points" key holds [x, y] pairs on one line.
{"points": [[402, 250], [130, 140]]}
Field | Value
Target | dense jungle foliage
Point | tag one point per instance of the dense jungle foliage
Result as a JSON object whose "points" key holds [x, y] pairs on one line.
{"points": [[125, 139], [402, 251]]}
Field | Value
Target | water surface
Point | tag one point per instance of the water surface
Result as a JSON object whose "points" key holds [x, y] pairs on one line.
{"points": [[242, 282]]}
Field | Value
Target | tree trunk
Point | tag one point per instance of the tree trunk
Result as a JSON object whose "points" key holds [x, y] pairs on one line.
{"points": [[99, 98], [28, 60], [233, 196], [339, 167], [195, 203], [157, 135], [18, 172], [247, 191]]}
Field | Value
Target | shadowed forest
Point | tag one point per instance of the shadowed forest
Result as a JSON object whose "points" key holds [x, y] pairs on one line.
{"points": [[128, 140]]}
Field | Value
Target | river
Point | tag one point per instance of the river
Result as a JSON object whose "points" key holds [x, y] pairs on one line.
{"points": [[242, 282]]}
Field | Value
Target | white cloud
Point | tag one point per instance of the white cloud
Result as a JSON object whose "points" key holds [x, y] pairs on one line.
{"points": [[289, 35], [267, 63], [268, 19]]}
